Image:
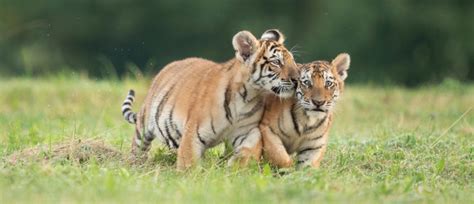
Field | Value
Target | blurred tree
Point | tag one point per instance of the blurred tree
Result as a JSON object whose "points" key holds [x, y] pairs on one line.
{"points": [[405, 42]]}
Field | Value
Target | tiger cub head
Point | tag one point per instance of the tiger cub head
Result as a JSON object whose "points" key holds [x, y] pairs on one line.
{"points": [[269, 64], [320, 83]]}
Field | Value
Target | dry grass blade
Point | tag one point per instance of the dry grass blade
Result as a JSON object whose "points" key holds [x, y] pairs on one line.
{"points": [[449, 128]]}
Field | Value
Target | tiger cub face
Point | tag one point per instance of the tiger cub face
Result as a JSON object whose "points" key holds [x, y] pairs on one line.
{"points": [[320, 84], [272, 66]]}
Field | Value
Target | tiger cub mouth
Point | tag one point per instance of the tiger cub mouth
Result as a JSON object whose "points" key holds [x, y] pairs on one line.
{"points": [[284, 91]]}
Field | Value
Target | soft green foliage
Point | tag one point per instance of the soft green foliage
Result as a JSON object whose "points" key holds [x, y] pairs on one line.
{"points": [[394, 41], [388, 144]]}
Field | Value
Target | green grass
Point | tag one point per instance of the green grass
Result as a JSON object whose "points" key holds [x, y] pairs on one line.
{"points": [[388, 144]]}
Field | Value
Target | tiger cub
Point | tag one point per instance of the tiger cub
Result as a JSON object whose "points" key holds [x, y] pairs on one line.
{"points": [[195, 104], [301, 125]]}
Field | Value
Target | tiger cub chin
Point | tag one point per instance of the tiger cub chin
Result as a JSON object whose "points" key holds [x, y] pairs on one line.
{"points": [[195, 104], [301, 125]]}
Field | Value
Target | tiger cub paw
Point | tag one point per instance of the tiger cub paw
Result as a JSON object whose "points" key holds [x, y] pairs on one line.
{"points": [[242, 157]]}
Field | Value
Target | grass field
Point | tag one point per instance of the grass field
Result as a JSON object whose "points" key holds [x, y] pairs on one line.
{"points": [[388, 144]]}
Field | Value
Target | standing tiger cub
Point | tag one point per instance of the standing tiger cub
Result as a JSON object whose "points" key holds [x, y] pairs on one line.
{"points": [[301, 125], [195, 104]]}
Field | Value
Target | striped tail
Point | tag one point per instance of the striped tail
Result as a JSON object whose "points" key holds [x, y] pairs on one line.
{"points": [[127, 112]]}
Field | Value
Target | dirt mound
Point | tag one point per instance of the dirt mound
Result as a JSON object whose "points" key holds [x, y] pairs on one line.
{"points": [[79, 150]]}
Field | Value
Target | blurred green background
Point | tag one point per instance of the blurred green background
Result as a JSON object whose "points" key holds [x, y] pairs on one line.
{"points": [[404, 42]]}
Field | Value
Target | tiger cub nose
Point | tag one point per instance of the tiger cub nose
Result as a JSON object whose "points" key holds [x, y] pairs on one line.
{"points": [[318, 103]]}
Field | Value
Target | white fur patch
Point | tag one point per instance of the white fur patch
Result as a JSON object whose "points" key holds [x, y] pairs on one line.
{"points": [[269, 36]]}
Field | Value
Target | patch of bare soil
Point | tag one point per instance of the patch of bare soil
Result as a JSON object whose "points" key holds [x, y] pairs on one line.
{"points": [[78, 150]]}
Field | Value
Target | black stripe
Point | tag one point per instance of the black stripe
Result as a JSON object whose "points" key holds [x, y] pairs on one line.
{"points": [[260, 74], [255, 97], [244, 94], [130, 116], [276, 89], [243, 136], [125, 111], [127, 115], [316, 138], [173, 124], [199, 137], [127, 103], [142, 144], [315, 127], [266, 62], [161, 105], [309, 149], [273, 46], [293, 118], [272, 76], [138, 134], [146, 140], [227, 97], [177, 131], [248, 125], [243, 139], [252, 111], [254, 68], [167, 130], [149, 136], [126, 106], [130, 98], [212, 125], [163, 135], [201, 140], [281, 129], [272, 130], [168, 134], [273, 57], [157, 118]]}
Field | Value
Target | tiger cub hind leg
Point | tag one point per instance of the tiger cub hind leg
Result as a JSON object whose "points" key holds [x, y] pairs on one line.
{"points": [[246, 146], [191, 149], [141, 144]]}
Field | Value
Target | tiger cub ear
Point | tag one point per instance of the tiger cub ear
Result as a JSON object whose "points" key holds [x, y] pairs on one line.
{"points": [[273, 34], [341, 64], [245, 45]]}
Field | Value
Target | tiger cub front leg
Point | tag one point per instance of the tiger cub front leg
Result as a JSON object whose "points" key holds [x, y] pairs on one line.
{"points": [[273, 149], [190, 149], [246, 146], [310, 155]]}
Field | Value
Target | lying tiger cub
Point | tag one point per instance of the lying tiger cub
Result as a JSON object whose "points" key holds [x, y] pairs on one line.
{"points": [[301, 125]]}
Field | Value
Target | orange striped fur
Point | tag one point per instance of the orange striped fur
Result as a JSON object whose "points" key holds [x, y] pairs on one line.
{"points": [[300, 125], [195, 104]]}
